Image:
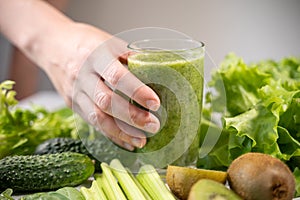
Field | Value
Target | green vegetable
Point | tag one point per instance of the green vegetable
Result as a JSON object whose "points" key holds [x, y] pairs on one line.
{"points": [[44, 172], [97, 149], [6, 194], [128, 185], [117, 182], [65, 193], [112, 181], [151, 181], [91, 148], [86, 193], [21, 130], [103, 183], [45, 196], [141, 188], [60, 145], [95, 192], [71, 193], [260, 107], [297, 175]]}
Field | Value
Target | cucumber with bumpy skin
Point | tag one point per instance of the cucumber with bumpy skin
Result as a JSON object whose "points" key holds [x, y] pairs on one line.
{"points": [[59, 145], [44, 172], [92, 148], [100, 150]]}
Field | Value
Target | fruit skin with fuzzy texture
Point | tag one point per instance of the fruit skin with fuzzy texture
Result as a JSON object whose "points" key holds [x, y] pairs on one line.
{"points": [[256, 176]]}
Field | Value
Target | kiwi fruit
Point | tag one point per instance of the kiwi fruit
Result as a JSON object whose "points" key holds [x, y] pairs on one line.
{"points": [[181, 179], [256, 176], [206, 189]]}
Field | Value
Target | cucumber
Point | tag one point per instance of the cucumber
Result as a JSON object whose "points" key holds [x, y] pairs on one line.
{"points": [[100, 150], [34, 173], [59, 145]]}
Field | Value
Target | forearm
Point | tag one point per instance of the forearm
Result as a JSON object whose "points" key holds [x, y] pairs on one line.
{"points": [[30, 24], [61, 46], [46, 36]]}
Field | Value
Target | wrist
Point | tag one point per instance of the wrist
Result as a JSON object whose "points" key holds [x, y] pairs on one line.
{"points": [[71, 45]]}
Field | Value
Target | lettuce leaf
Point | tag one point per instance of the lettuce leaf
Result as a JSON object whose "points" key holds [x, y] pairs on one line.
{"points": [[22, 130], [71, 193], [297, 175], [65, 193], [260, 108]]}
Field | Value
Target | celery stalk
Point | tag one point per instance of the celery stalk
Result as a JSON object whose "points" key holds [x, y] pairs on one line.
{"points": [[86, 193], [131, 190], [145, 193], [118, 193], [94, 192], [97, 191], [101, 181], [151, 181]]}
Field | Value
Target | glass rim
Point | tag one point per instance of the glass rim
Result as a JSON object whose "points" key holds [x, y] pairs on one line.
{"points": [[134, 45]]}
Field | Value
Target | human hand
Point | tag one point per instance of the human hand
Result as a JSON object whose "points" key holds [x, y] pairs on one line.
{"points": [[87, 77], [62, 48]]}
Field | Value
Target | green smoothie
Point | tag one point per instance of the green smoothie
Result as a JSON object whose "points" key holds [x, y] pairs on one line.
{"points": [[177, 78]]}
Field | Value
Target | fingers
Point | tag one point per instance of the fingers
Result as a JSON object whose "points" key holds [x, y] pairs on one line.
{"points": [[119, 132], [114, 105], [121, 79], [103, 88]]}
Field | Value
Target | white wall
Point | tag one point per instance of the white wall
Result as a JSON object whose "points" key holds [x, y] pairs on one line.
{"points": [[254, 29]]}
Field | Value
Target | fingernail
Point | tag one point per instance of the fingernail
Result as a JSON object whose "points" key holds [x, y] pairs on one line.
{"points": [[152, 105], [128, 146], [137, 142], [152, 126]]}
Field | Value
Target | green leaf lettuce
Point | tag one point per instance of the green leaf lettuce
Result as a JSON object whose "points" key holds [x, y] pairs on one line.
{"points": [[21, 130], [260, 108]]}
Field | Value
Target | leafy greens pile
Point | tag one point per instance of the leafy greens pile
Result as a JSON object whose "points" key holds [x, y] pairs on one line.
{"points": [[260, 107], [22, 130]]}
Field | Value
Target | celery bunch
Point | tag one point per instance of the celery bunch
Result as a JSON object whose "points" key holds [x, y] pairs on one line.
{"points": [[118, 183]]}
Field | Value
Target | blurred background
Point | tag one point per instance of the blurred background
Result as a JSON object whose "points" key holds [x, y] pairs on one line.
{"points": [[254, 30]]}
